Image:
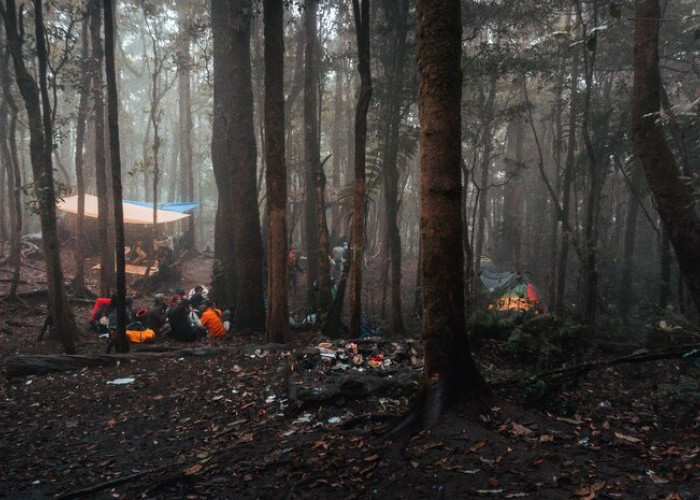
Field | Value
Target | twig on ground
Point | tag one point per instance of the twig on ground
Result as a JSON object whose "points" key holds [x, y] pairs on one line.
{"points": [[108, 484]]}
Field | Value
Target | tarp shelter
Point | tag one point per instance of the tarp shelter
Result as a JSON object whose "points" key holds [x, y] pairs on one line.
{"points": [[493, 278], [514, 291], [179, 207], [133, 213]]}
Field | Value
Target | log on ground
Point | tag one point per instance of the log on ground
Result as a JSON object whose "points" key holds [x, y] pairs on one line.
{"points": [[23, 365]]}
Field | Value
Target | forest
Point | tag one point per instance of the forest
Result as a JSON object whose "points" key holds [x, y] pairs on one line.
{"points": [[452, 248]]}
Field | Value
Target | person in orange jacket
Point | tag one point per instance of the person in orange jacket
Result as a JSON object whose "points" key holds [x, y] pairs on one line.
{"points": [[211, 320]]}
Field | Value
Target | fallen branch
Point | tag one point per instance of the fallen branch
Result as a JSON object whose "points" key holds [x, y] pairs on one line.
{"points": [[674, 352], [29, 295], [108, 484], [23, 365], [369, 418]]}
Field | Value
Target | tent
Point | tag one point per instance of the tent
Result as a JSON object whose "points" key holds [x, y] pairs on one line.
{"points": [[133, 213], [520, 298], [514, 291]]}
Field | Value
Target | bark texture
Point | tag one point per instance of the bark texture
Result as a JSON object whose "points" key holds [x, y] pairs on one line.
{"points": [[396, 13], [674, 199], [97, 61], [121, 342], [184, 66], [85, 80], [221, 143], [357, 236], [245, 219], [311, 155], [449, 368], [14, 174], [40, 132], [277, 324]]}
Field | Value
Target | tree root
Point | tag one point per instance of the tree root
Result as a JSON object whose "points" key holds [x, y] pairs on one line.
{"points": [[428, 407]]}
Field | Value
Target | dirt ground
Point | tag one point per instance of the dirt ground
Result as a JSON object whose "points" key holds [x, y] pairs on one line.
{"points": [[309, 420]]}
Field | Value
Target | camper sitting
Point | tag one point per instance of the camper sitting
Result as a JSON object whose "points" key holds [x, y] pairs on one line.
{"points": [[138, 255], [99, 318], [129, 316], [212, 319], [157, 319], [197, 296], [181, 328]]}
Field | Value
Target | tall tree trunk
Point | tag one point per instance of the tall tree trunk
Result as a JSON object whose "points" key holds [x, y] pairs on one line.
{"points": [[15, 180], [277, 324], [85, 80], [184, 66], [485, 164], [590, 261], [396, 12], [556, 148], [224, 280], [361, 14], [121, 342], [248, 257], [336, 148], [450, 373], [664, 270], [511, 231], [673, 197], [14, 174], [567, 181], [626, 293], [4, 179], [36, 100], [97, 59], [311, 156], [297, 78], [155, 117], [324, 271]]}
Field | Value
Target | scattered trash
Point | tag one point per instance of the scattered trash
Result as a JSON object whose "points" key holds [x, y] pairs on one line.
{"points": [[334, 420], [352, 347], [376, 361], [304, 419], [122, 381]]}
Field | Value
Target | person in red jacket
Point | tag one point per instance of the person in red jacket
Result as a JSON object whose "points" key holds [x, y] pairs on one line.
{"points": [[211, 320]]}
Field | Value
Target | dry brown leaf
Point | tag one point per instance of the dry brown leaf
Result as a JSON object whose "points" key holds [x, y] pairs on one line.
{"points": [[589, 492], [194, 469], [673, 496], [656, 478], [477, 446], [546, 438], [521, 430], [629, 439], [494, 482], [371, 458], [572, 421]]}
